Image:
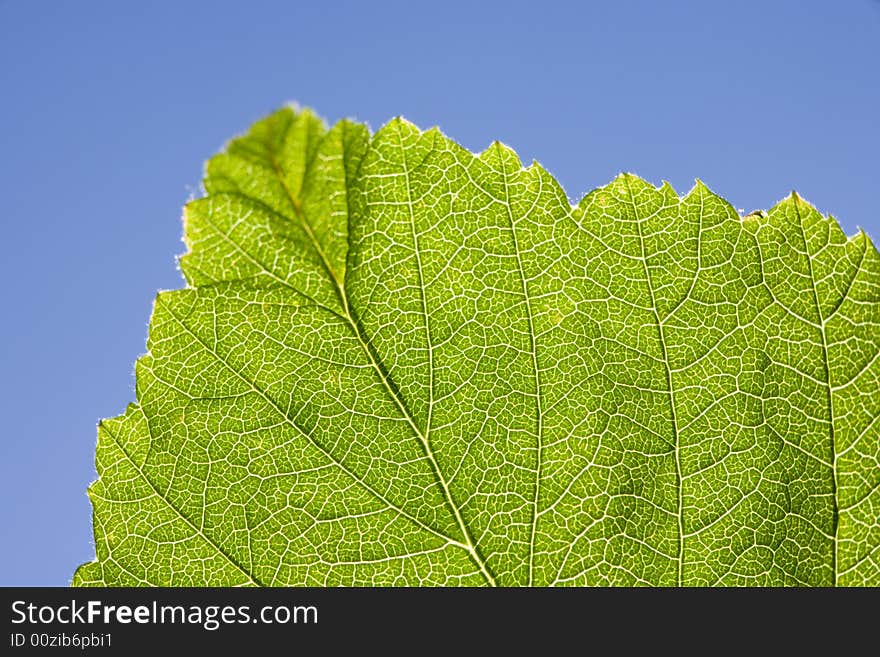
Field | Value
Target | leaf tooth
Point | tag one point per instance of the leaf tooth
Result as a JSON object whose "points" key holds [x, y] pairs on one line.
{"points": [[400, 123], [667, 188], [501, 156]]}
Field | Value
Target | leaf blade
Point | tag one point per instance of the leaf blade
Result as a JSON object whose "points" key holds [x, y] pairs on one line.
{"points": [[446, 374]]}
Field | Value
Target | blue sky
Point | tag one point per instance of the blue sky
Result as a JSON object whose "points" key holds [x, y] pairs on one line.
{"points": [[108, 109]]}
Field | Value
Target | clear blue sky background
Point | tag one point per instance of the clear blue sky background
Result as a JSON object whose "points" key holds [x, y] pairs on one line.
{"points": [[108, 109]]}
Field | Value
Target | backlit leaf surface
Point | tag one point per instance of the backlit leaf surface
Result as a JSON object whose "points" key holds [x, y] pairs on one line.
{"points": [[399, 363]]}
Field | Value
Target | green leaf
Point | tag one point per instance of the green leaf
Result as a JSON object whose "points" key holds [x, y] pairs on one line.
{"points": [[399, 363]]}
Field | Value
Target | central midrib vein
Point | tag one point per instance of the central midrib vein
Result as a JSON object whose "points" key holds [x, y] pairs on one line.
{"points": [[469, 545], [676, 446]]}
